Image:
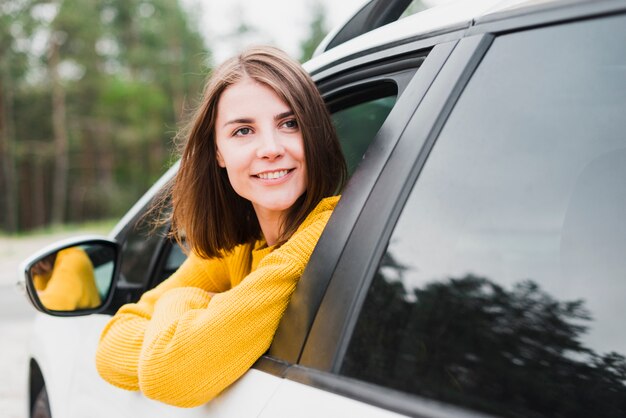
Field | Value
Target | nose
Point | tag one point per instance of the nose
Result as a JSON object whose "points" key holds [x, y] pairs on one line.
{"points": [[270, 146]]}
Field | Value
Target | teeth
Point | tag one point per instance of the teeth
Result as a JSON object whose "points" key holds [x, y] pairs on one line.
{"points": [[273, 175]]}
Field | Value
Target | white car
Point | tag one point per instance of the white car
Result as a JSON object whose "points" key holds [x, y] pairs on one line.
{"points": [[476, 263]]}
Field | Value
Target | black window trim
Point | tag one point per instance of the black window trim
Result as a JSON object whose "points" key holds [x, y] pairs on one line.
{"points": [[394, 50], [155, 258], [390, 69], [158, 261], [359, 93]]}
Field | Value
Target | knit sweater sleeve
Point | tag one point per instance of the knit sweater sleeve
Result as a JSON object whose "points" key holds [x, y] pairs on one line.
{"points": [[121, 340], [72, 284], [196, 346]]}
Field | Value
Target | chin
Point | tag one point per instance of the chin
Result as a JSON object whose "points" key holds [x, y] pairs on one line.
{"points": [[278, 204]]}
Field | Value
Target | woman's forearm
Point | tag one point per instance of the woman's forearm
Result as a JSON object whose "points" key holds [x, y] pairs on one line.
{"points": [[196, 346]]}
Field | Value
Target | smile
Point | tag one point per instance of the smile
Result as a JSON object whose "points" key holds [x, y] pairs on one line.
{"points": [[271, 175]]}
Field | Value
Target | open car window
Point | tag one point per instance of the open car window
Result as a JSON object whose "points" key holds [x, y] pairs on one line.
{"points": [[357, 118]]}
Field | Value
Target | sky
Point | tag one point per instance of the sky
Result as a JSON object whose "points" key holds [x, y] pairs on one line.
{"points": [[282, 23]]}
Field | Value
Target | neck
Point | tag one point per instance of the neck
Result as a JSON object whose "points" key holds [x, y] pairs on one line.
{"points": [[270, 223]]}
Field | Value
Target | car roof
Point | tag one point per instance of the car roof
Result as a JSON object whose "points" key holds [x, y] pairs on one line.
{"points": [[444, 18]]}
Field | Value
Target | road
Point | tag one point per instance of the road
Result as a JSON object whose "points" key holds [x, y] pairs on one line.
{"points": [[16, 315]]}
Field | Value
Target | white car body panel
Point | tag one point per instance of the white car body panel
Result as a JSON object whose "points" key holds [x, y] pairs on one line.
{"points": [[79, 391], [421, 23], [430, 20], [297, 400]]}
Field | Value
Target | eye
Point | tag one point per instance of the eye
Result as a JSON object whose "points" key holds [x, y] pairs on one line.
{"points": [[291, 124], [242, 131]]}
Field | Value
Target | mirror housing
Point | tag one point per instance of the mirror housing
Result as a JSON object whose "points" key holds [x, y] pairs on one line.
{"points": [[73, 277]]}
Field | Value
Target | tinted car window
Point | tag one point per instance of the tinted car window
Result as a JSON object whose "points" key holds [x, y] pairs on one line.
{"points": [[503, 283], [140, 246]]}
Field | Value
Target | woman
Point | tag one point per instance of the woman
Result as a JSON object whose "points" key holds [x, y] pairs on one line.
{"points": [[251, 199]]}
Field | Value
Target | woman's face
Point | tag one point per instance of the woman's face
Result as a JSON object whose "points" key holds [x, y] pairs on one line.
{"points": [[260, 144]]}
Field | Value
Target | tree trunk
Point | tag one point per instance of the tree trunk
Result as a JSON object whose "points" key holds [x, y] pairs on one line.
{"points": [[7, 151], [38, 187], [59, 127], [175, 76]]}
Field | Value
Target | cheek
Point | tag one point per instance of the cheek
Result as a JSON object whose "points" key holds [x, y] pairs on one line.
{"points": [[236, 171], [234, 175]]}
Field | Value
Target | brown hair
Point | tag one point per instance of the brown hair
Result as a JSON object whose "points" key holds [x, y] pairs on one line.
{"points": [[207, 212]]}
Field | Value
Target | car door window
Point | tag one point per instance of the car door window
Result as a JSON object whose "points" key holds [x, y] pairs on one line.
{"points": [[140, 248], [502, 285]]}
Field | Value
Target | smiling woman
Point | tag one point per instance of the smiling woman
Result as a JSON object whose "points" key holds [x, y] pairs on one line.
{"points": [[260, 145], [254, 191]]}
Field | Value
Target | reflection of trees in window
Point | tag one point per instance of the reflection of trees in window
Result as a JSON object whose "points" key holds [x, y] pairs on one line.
{"points": [[357, 125], [470, 341]]}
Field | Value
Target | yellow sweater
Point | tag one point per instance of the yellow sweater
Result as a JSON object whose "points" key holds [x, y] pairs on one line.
{"points": [[71, 283], [182, 346]]}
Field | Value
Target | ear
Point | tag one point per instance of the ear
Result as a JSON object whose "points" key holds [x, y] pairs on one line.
{"points": [[220, 160]]}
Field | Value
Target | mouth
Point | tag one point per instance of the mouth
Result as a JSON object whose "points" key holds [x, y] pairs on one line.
{"points": [[273, 175]]}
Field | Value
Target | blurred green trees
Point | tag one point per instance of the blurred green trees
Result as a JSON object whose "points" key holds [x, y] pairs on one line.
{"points": [[318, 29], [91, 93]]}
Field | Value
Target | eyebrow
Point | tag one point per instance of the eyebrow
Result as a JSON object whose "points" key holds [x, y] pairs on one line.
{"points": [[250, 120]]}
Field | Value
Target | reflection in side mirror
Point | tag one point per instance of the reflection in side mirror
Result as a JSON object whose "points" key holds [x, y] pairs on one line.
{"points": [[74, 278]]}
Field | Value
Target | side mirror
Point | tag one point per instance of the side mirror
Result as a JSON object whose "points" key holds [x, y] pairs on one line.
{"points": [[74, 277]]}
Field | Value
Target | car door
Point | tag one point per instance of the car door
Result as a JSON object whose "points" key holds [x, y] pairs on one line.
{"points": [[485, 274]]}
